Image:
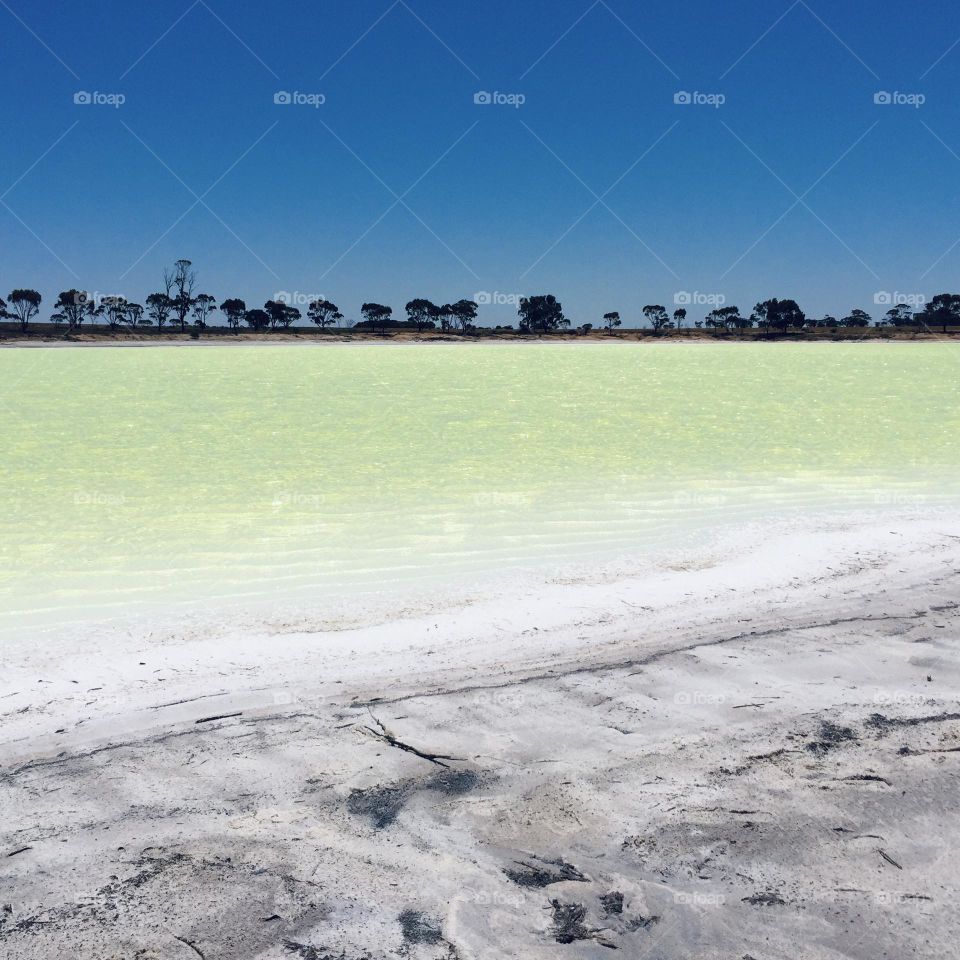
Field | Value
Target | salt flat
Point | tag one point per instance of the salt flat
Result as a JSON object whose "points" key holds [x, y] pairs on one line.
{"points": [[134, 481], [456, 652], [753, 755]]}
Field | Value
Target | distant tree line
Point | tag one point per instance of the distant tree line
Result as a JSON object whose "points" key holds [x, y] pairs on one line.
{"points": [[179, 305]]}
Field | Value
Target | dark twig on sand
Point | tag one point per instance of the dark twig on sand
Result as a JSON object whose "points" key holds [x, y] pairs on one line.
{"points": [[886, 856], [382, 733], [221, 716], [868, 778]]}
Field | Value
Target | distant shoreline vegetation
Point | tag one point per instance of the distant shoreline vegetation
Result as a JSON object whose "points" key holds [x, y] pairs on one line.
{"points": [[180, 309]]}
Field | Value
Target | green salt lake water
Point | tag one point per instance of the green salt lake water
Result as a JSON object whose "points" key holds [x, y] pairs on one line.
{"points": [[137, 478]]}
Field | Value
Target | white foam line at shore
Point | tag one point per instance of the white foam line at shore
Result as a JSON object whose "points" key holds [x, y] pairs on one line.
{"points": [[293, 588], [497, 621]]}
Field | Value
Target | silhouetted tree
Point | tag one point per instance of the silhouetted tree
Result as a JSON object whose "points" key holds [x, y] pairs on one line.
{"points": [[464, 312], [723, 318], [203, 306], [274, 312], [657, 317], [235, 311], [281, 314], [831, 323], [678, 317], [133, 316], [541, 314], [899, 316], [179, 283], [611, 320], [445, 316], [422, 312], [257, 319], [324, 313], [377, 314], [160, 306], [779, 315], [943, 311], [115, 310], [73, 306], [716, 320], [857, 318], [24, 306]]}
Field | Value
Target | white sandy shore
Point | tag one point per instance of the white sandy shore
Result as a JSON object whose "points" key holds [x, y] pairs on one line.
{"points": [[751, 755]]}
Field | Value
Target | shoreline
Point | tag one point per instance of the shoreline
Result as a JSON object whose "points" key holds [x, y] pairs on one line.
{"points": [[697, 747], [406, 338]]}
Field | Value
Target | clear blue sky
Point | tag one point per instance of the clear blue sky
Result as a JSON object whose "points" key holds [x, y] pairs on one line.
{"points": [[399, 185]]}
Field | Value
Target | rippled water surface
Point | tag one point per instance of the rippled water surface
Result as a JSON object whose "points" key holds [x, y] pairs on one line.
{"points": [[141, 477]]}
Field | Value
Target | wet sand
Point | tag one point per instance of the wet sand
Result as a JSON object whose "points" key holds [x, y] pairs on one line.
{"points": [[751, 758]]}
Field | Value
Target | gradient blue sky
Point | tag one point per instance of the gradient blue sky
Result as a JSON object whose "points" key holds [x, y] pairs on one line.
{"points": [[401, 186]]}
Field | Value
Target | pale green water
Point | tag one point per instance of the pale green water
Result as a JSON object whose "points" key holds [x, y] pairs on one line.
{"points": [[134, 477]]}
